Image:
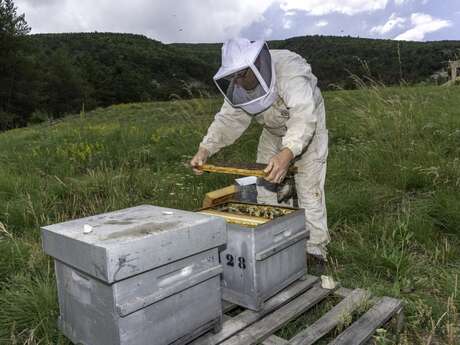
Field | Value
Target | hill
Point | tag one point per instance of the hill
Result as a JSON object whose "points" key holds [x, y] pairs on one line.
{"points": [[393, 190], [67, 73]]}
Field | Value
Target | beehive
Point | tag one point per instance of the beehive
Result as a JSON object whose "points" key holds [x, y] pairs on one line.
{"points": [[265, 250], [137, 276]]}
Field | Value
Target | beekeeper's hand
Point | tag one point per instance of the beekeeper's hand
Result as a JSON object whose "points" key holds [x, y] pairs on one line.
{"points": [[278, 166], [199, 159]]}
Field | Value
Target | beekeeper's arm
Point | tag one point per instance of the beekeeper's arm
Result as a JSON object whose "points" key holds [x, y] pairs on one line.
{"points": [[228, 125], [297, 93]]}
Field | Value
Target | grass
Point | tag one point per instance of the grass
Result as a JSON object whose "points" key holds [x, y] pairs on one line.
{"points": [[393, 195]]}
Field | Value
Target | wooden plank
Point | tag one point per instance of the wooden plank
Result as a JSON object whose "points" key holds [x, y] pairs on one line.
{"points": [[263, 328], [197, 332], [226, 317], [342, 292], [363, 329], [274, 340], [232, 170], [399, 321], [248, 317], [228, 306], [331, 319], [242, 169], [218, 196]]}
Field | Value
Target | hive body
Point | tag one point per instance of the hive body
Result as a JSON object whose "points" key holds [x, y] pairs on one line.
{"points": [[142, 275], [261, 260]]}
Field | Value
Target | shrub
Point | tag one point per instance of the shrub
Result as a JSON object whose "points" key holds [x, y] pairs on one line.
{"points": [[39, 116]]}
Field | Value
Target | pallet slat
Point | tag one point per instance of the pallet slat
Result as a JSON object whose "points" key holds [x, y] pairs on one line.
{"points": [[362, 330], [331, 319], [342, 292], [263, 328], [227, 306], [248, 317], [274, 340]]}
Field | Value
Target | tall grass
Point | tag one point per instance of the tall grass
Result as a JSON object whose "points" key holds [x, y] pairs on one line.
{"points": [[392, 191]]}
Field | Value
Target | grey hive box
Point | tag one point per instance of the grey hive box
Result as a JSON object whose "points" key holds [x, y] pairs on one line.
{"points": [[259, 261], [142, 276]]}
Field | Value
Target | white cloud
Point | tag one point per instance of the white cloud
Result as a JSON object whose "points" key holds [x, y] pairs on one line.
{"points": [[322, 7], [193, 20], [393, 22], [287, 23], [168, 21], [422, 25], [401, 2], [268, 32], [322, 23]]}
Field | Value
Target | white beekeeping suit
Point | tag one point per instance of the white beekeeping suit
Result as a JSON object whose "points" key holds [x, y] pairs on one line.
{"points": [[289, 105]]}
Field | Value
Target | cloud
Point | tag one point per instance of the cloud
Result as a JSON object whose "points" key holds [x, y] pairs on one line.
{"points": [[177, 20], [322, 23], [205, 20], [322, 7], [393, 22], [268, 32], [422, 25], [34, 3], [287, 23], [168, 21]]}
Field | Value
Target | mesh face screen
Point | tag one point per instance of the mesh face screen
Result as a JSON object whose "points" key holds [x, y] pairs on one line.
{"points": [[244, 86]]}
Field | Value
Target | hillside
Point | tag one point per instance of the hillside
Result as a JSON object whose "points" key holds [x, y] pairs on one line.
{"points": [[393, 196], [335, 59], [58, 74], [124, 67]]}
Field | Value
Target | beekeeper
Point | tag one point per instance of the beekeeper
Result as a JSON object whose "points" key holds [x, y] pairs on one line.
{"points": [[277, 89]]}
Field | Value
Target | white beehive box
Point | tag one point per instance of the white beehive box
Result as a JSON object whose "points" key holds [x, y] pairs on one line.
{"points": [[143, 275], [263, 256]]}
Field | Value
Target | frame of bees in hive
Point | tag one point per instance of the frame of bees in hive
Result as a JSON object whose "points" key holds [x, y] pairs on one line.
{"points": [[247, 214]]}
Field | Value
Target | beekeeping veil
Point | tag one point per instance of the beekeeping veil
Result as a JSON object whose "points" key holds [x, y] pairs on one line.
{"points": [[243, 59]]}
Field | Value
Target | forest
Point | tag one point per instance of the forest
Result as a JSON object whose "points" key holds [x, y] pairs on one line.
{"points": [[46, 76]]}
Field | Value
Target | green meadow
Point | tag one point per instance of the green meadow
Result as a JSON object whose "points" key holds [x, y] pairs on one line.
{"points": [[393, 197]]}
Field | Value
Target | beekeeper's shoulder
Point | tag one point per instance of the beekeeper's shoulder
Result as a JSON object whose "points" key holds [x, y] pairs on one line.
{"points": [[289, 64]]}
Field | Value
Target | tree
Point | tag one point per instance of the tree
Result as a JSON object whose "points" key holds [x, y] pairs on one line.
{"points": [[64, 87], [12, 24], [12, 61]]}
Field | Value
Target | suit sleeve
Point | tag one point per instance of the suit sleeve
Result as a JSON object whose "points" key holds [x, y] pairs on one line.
{"points": [[228, 125], [297, 93]]}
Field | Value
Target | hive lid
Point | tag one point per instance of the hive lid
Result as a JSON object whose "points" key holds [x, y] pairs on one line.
{"points": [[117, 245]]}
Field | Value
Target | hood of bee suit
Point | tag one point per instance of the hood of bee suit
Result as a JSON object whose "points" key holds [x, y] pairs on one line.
{"points": [[239, 56]]}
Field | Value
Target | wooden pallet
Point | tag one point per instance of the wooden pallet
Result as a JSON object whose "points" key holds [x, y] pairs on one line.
{"points": [[251, 328]]}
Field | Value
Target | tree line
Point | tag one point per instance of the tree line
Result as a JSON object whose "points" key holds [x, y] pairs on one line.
{"points": [[47, 76]]}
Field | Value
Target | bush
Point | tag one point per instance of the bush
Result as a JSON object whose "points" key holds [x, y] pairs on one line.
{"points": [[8, 120], [39, 116]]}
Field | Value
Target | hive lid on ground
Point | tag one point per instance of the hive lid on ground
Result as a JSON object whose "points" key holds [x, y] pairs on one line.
{"points": [[120, 244]]}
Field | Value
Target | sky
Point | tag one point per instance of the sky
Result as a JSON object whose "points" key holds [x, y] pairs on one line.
{"points": [[217, 20]]}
